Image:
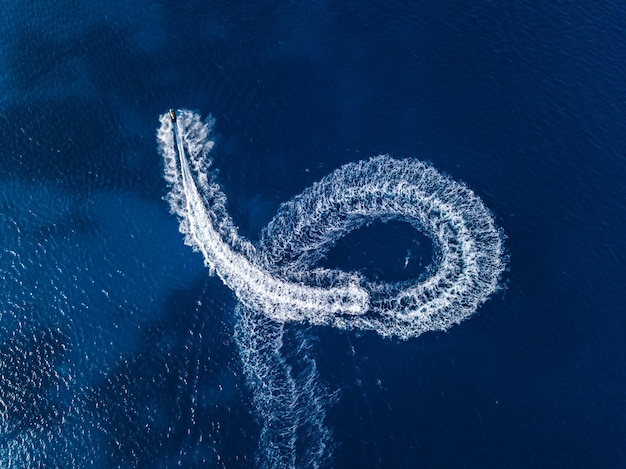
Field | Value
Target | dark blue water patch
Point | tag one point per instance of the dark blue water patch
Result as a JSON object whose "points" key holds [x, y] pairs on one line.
{"points": [[178, 400], [449, 399], [383, 251], [77, 110], [92, 59], [67, 142], [253, 213]]}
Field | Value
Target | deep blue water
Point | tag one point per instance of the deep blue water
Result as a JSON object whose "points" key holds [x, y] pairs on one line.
{"points": [[116, 345]]}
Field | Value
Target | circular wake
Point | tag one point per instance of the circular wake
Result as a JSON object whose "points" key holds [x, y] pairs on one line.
{"points": [[279, 275]]}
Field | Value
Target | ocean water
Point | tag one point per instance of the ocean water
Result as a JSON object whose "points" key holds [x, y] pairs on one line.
{"points": [[121, 346]]}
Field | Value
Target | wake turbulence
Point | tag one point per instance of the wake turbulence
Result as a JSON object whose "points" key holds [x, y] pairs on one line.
{"points": [[279, 277]]}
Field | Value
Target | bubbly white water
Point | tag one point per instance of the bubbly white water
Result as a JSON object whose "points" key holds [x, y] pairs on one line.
{"points": [[279, 276], [290, 402], [278, 280]]}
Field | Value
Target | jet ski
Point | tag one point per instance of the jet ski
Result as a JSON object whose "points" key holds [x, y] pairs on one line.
{"points": [[172, 115]]}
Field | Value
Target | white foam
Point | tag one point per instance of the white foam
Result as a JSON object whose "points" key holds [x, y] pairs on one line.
{"points": [[278, 276], [290, 403], [277, 281]]}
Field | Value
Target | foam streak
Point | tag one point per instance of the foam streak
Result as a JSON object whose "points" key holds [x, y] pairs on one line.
{"points": [[278, 276]]}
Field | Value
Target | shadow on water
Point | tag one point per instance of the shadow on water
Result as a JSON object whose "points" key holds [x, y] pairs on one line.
{"points": [[67, 143], [178, 400], [81, 117]]}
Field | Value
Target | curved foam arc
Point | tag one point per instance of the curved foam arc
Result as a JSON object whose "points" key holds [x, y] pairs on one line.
{"points": [[470, 245], [463, 230], [279, 276], [254, 287]]}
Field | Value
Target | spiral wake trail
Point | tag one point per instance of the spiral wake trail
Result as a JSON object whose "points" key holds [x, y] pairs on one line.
{"points": [[279, 280]]}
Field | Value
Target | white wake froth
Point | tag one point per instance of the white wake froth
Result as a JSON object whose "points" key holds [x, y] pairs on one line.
{"points": [[277, 280], [279, 277], [290, 402], [201, 206]]}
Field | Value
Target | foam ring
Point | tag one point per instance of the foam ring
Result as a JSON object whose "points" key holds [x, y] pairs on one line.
{"points": [[278, 276]]}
